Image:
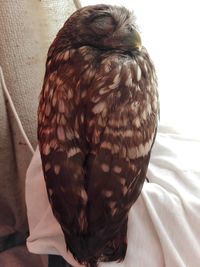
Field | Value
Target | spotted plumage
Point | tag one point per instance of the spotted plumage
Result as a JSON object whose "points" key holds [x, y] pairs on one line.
{"points": [[97, 122]]}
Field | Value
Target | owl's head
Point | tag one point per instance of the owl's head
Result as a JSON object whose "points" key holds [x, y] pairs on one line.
{"points": [[104, 27]]}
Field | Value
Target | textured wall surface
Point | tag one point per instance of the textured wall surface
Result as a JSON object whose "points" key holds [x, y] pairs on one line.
{"points": [[27, 28]]}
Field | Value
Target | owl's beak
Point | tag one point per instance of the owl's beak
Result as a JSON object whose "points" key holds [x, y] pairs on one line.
{"points": [[132, 41], [136, 42]]}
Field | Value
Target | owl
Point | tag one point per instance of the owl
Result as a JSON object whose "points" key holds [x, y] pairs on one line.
{"points": [[97, 121]]}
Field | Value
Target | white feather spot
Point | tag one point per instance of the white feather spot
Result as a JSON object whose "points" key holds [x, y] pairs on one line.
{"points": [[52, 76], [49, 63], [57, 169], [112, 204], [86, 66], [73, 151], [106, 145], [46, 149], [103, 90], [47, 109], [133, 167], [47, 166], [113, 123], [54, 143], [53, 120], [145, 68], [76, 134], [83, 195], [107, 68], [115, 149], [95, 137], [105, 167], [149, 109], [122, 181], [50, 191], [132, 154], [137, 122], [125, 189], [83, 50], [144, 115], [141, 150], [117, 169], [124, 152], [66, 55], [82, 118], [69, 94], [89, 73], [107, 193], [115, 83], [62, 188], [104, 113], [69, 134], [113, 211], [129, 81], [83, 94], [82, 220], [40, 117], [101, 82], [95, 99], [135, 106], [46, 89], [99, 107], [59, 81], [63, 120], [91, 123], [61, 106], [61, 133], [101, 122], [51, 93], [54, 100], [128, 133], [139, 73], [76, 123], [109, 131], [58, 118], [137, 88], [43, 107], [141, 58], [155, 104], [88, 57]]}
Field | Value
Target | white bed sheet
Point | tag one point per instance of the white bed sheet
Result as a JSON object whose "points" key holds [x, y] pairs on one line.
{"points": [[164, 223]]}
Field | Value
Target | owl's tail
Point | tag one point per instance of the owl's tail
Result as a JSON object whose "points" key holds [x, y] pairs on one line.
{"points": [[107, 245], [79, 247]]}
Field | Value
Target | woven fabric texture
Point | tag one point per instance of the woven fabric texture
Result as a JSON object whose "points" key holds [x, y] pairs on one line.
{"points": [[26, 28]]}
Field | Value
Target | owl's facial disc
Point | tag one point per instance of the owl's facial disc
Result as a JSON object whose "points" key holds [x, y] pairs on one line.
{"points": [[115, 29], [104, 27]]}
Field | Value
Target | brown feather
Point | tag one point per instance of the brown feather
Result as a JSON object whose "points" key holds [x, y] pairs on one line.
{"points": [[97, 121]]}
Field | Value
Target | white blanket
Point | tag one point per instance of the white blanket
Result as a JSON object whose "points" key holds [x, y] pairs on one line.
{"points": [[164, 223]]}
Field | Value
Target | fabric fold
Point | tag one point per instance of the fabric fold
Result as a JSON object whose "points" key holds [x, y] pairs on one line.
{"points": [[163, 226]]}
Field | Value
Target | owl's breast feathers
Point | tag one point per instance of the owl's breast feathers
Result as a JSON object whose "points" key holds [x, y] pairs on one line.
{"points": [[97, 121]]}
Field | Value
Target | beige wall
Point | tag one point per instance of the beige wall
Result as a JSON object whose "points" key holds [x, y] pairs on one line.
{"points": [[27, 27]]}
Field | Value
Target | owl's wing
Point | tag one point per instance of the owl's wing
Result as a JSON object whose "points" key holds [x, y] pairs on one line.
{"points": [[62, 136], [122, 122], [61, 144]]}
